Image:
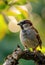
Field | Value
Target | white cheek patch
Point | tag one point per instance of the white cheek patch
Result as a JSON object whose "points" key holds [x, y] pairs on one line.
{"points": [[26, 26]]}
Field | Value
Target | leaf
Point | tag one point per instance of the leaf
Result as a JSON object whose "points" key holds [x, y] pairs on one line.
{"points": [[2, 5], [3, 27]]}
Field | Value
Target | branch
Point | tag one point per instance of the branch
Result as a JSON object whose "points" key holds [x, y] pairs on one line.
{"points": [[18, 54]]}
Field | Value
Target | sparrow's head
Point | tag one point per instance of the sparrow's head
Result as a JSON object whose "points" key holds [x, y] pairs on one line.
{"points": [[25, 24]]}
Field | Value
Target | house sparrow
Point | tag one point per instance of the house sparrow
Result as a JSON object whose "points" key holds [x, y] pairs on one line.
{"points": [[29, 35]]}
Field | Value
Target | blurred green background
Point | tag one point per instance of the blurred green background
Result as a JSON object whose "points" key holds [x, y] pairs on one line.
{"points": [[9, 39]]}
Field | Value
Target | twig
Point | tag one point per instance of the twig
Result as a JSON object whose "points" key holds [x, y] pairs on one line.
{"points": [[13, 59]]}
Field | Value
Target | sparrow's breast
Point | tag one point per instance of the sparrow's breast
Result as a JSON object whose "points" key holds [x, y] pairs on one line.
{"points": [[28, 38]]}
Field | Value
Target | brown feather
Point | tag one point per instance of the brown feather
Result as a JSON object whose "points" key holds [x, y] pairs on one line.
{"points": [[28, 21], [40, 42], [38, 37]]}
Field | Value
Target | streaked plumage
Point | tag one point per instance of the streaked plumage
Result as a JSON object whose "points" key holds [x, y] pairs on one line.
{"points": [[29, 35]]}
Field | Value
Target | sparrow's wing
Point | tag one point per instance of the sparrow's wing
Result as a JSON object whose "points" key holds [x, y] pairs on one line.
{"points": [[34, 29], [38, 37], [33, 35]]}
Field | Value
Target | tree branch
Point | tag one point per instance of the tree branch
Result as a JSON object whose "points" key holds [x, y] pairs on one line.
{"points": [[18, 54]]}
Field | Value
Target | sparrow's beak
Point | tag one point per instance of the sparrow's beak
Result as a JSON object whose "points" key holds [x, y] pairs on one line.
{"points": [[18, 24]]}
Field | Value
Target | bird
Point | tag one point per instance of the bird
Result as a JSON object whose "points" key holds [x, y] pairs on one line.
{"points": [[29, 35]]}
